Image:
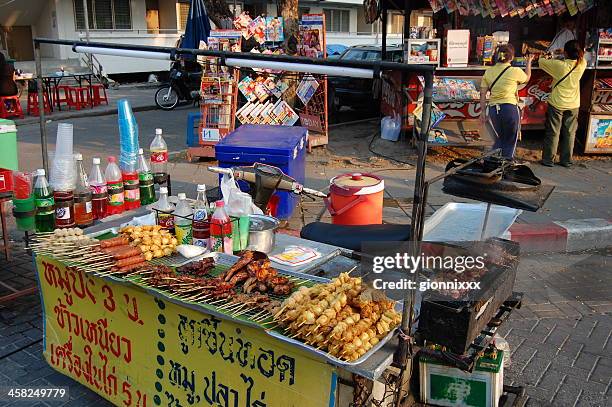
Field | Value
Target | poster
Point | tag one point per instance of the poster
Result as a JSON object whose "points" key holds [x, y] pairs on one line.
{"points": [[257, 29], [312, 29], [599, 134], [307, 88], [274, 29], [457, 47], [135, 349]]}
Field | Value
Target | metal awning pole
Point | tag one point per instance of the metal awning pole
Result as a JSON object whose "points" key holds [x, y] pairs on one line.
{"points": [[41, 106]]}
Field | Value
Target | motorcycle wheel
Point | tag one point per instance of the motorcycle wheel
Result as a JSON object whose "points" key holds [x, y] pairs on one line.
{"points": [[166, 97]]}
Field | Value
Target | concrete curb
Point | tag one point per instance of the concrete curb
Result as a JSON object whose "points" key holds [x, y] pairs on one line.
{"points": [[562, 236], [79, 114]]}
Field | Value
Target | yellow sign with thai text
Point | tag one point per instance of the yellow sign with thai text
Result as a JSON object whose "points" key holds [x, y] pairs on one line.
{"points": [[136, 349]]}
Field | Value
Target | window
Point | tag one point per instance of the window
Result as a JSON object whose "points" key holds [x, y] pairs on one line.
{"points": [[395, 23], [337, 20], [183, 15], [302, 11], [104, 14]]}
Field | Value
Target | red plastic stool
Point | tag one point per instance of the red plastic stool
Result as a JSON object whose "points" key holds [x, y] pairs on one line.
{"points": [[13, 109], [99, 94], [58, 99], [33, 103], [83, 97]]}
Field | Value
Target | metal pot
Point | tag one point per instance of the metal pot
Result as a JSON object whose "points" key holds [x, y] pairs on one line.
{"points": [[262, 231]]}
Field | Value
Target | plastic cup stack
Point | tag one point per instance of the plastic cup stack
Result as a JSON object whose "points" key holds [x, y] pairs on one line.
{"points": [[63, 167], [128, 137]]}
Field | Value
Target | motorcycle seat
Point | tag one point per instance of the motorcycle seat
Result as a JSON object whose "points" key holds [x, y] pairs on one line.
{"points": [[351, 236]]}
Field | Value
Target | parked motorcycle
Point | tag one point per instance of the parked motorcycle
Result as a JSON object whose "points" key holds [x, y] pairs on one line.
{"points": [[183, 86]]}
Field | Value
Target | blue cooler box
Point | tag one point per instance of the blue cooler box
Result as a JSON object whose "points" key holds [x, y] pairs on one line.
{"points": [[281, 146]]}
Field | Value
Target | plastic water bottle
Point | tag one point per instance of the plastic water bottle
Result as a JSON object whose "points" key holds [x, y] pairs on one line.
{"points": [[83, 210], [201, 225], [165, 219], [182, 220], [114, 184], [45, 205], [159, 157], [220, 230], [99, 193], [145, 180]]}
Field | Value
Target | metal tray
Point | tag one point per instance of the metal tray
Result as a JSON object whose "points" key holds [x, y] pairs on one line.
{"points": [[228, 260], [455, 222]]}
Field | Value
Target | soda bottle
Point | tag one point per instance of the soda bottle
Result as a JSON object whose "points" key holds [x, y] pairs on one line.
{"points": [[131, 190], [99, 193], [182, 222], [220, 230], [165, 219], [159, 158], [114, 184], [145, 179], [83, 211], [201, 225], [45, 205]]}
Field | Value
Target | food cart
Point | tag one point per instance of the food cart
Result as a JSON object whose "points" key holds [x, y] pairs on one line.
{"points": [[161, 334], [457, 85]]}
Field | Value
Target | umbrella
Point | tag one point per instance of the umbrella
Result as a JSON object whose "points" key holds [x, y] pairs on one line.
{"points": [[335, 49], [198, 25]]}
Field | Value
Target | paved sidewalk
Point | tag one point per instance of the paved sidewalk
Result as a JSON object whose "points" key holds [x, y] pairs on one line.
{"points": [[560, 340]]}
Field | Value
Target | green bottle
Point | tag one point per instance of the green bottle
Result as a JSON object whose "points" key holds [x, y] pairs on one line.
{"points": [[145, 179]]}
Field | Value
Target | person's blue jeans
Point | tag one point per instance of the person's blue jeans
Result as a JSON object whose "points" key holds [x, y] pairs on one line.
{"points": [[506, 121]]}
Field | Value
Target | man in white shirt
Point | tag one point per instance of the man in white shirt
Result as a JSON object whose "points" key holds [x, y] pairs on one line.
{"points": [[567, 33]]}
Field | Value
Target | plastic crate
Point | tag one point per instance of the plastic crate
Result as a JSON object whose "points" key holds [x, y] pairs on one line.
{"points": [[6, 181], [193, 123]]}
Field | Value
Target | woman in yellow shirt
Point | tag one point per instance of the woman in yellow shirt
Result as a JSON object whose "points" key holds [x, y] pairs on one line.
{"points": [[563, 104], [502, 81]]}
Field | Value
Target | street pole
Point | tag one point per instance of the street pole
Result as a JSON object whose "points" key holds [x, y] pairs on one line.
{"points": [[416, 235], [41, 106]]}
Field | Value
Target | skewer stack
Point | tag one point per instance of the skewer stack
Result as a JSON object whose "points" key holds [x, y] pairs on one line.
{"points": [[338, 317]]}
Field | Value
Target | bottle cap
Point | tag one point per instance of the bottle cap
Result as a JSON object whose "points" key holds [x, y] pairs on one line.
{"points": [[111, 159], [40, 171], [220, 204], [158, 132], [140, 151], [163, 190], [201, 188], [78, 157], [181, 195], [96, 160]]}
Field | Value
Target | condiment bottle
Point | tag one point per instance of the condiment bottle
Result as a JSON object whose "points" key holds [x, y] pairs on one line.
{"points": [[83, 211], [99, 193], [114, 184], [182, 222], [165, 219], [220, 230], [201, 225]]}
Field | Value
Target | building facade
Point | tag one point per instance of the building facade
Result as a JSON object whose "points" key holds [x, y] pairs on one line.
{"points": [[154, 22]]}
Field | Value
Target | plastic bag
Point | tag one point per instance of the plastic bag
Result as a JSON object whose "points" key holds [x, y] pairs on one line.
{"points": [[237, 203], [390, 127]]}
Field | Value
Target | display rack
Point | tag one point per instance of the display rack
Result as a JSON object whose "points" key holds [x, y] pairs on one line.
{"points": [[218, 95]]}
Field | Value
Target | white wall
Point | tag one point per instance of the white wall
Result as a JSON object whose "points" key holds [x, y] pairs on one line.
{"points": [[137, 36], [47, 27]]}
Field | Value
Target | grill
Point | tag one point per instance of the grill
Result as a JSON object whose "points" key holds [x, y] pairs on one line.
{"points": [[456, 324]]}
